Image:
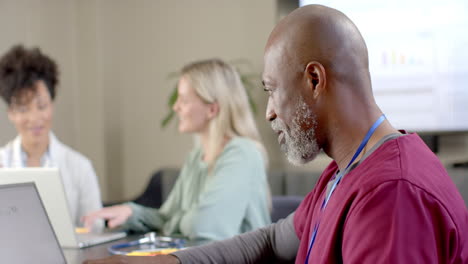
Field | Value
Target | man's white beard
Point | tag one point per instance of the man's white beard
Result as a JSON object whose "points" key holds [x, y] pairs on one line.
{"points": [[299, 146]]}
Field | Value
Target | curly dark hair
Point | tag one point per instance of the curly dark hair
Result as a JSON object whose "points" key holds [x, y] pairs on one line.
{"points": [[21, 68]]}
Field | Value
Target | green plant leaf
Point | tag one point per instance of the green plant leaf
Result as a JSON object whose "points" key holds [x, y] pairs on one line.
{"points": [[172, 100], [172, 97], [167, 119]]}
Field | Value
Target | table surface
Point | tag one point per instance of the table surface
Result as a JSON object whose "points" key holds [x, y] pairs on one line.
{"points": [[77, 256]]}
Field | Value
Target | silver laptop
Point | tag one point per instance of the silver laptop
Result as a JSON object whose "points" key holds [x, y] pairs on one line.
{"points": [[49, 184], [27, 236]]}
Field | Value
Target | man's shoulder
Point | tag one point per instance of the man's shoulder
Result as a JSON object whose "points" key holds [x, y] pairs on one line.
{"points": [[408, 163], [404, 158], [419, 165]]}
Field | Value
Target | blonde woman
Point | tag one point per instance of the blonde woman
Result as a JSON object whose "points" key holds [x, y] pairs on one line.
{"points": [[222, 189]]}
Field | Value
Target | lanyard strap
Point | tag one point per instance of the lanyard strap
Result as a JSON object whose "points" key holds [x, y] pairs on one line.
{"points": [[358, 151], [340, 176]]}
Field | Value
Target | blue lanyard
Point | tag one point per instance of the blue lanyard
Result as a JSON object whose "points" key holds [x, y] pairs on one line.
{"points": [[340, 176]]}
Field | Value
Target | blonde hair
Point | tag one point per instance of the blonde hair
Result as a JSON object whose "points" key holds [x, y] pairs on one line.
{"points": [[215, 81]]}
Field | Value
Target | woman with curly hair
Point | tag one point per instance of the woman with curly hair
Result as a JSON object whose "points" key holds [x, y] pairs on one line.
{"points": [[28, 80]]}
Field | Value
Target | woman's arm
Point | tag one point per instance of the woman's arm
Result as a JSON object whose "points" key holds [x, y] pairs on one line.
{"points": [[143, 219]]}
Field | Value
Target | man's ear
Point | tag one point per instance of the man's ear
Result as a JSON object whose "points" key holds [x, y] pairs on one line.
{"points": [[213, 110], [316, 78]]}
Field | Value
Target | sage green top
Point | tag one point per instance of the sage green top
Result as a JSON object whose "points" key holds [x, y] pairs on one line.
{"points": [[232, 199]]}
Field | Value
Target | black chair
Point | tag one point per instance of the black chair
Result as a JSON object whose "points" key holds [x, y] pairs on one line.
{"points": [[284, 205], [152, 196]]}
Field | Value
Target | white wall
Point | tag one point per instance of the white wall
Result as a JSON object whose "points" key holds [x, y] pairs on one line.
{"points": [[61, 29], [51, 28], [144, 41], [115, 57]]}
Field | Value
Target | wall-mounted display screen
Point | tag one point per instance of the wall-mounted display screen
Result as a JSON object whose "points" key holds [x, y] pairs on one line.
{"points": [[418, 55]]}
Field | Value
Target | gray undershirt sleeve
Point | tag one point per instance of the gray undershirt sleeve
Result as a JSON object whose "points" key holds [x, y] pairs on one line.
{"points": [[276, 243]]}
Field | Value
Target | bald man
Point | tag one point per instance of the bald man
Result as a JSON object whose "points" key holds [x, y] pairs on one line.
{"points": [[385, 198]]}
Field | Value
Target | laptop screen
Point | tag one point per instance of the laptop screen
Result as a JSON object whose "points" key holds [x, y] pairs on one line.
{"points": [[27, 236]]}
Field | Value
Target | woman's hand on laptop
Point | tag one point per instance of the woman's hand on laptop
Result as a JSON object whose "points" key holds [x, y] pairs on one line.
{"points": [[115, 215]]}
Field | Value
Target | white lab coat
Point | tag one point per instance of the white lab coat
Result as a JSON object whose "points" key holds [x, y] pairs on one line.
{"points": [[78, 176]]}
